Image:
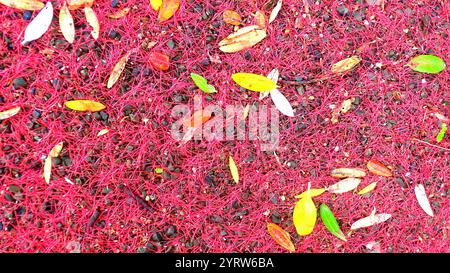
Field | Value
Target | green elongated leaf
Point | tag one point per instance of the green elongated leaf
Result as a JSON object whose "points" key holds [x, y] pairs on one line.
{"points": [[202, 83], [441, 134], [427, 64], [330, 222]]}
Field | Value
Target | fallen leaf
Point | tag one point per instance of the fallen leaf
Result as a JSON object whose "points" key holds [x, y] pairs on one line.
{"points": [[441, 117], [305, 214], [348, 172], [275, 11], [159, 170], [23, 4], [66, 24], [280, 236], [244, 38], [441, 133], [202, 83], [345, 185], [246, 111], [423, 199], [92, 20], [233, 169], [159, 60], [254, 82], [370, 220], [198, 118], [117, 70], [260, 19], [56, 150], [281, 103], [330, 222], [368, 188], [121, 13], [76, 4], [313, 192], [168, 9], [232, 18], [39, 25], [84, 105], [102, 132], [48, 169], [427, 64], [273, 75], [378, 168], [9, 113], [345, 64], [156, 4]]}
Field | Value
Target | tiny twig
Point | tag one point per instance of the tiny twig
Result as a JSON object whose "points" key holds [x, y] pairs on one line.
{"points": [[436, 146]]}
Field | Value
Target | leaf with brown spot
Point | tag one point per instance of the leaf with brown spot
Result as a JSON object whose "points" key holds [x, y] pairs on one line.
{"points": [[66, 24], [232, 18], [117, 70], [378, 168], [121, 13], [345, 64], [168, 9], [92, 20], [348, 172], [9, 113], [280, 236], [23, 4], [244, 38]]}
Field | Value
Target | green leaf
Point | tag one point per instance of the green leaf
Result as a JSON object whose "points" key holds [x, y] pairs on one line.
{"points": [[202, 83], [330, 222], [159, 170], [441, 134], [427, 64]]}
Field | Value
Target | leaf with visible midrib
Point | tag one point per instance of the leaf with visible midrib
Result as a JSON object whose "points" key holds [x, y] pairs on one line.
{"points": [[330, 222], [202, 83], [427, 64]]}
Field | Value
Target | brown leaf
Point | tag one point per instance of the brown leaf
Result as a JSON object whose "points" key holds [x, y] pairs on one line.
{"points": [[232, 18], [280, 236], [168, 9], [119, 14], [378, 168], [345, 64], [244, 38]]}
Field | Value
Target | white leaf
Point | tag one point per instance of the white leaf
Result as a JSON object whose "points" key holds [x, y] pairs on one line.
{"points": [[48, 169], [423, 200], [345, 185], [281, 103], [273, 75], [39, 25], [275, 11], [370, 220]]}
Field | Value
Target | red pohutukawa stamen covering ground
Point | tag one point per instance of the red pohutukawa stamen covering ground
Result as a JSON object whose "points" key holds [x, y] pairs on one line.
{"points": [[104, 193]]}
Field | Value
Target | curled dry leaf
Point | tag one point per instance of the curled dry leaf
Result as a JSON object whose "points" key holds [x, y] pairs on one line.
{"points": [[23, 4], [260, 19], [254, 82], [345, 64], [275, 11], [371, 220], [232, 18], [117, 70], [156, 4], [378, 168], [348, 172], [92, 20], [281, 103], [280, 236], [273, 75], [84, 105], [305, 214], [244, 38], [313, 192], [56, 150], [66, 24], [39, 25], [102, 132], [168, 9], [159, 60], [422, 198], [233, 169], [368, 188], [345, 185], [346, 105], [9, 113], [121, 13]]}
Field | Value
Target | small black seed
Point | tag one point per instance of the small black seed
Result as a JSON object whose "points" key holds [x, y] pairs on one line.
{"points": [[157, 237], [171, 231]]}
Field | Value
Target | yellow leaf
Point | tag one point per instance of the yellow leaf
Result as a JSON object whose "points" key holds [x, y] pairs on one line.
{"points": [[84, 105], [156, 4], [233, 169], [368, 188], [66, 24], [92, 20], [305, 215], [232, 17], [23, 4], [102, 132], [345, 185], [168, 9], [119, 14], [9, 113], [254, 82], [244, 38], [345, 64], [48, 169], [117, 70], [76, 4], [313, 192], [260, 19], [55, 151]]}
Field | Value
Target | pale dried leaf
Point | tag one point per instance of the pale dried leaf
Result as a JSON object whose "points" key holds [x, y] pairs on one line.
{"points": [[39, 25], [117, 70], [9, 113], [370, 220], [56, 150], [102, 132], [281, 103], [275, 11], [48, 169], [260, 19], [244, 38], [92, 20], [66, 24], [423, 199], [345, 185], [273, 75], [345, 64], [348, 172], [23, 4], [119, 14]]}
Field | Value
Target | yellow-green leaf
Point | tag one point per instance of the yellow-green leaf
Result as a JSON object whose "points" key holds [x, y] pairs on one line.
{"points": [[202, 83], [254, 82], [330, 222], [9, 113], [345, 64], [427, 64], [305, 215], [84, 105], [314, 193], [233, 169], [368, 188], [441, 134]]}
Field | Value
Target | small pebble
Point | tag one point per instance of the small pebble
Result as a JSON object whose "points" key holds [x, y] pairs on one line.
{"points": [[342, 10], [27, 15], [19, 82], [37, 113], [171, 231], [157, 237], [171, 44], [114, 3]]}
